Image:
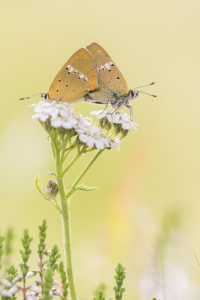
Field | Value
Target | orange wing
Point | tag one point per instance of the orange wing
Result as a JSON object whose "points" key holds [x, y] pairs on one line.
{"points": [[109, 76], [75, 79]]}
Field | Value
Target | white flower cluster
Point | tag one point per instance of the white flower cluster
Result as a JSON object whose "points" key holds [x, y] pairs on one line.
{"points": [[9, 289], [93, 136], [61, 115], [116, 118]]}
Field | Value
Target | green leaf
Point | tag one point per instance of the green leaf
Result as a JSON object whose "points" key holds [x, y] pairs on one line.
{"points": [[48, 284], [85, 188], [64, 281], [42, 239], [100, 292], [120, 275], [38, 184], [25, 253], [53, 258]]}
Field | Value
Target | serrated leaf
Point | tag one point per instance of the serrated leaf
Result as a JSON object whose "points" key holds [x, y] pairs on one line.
{"points": [[85, 188]]}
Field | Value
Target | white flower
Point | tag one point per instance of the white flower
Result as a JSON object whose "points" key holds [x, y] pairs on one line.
{"points": [[57, 292], [116, 118], [31, 296], [60, 115], [30, 274], [6, 283], [93, 136], [56, 282], [16, 279], [10, 292], [35, 289]]}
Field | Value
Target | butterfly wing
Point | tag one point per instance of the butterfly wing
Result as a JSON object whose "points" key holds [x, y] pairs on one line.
{"points": [[109, 76], [76, 78]]}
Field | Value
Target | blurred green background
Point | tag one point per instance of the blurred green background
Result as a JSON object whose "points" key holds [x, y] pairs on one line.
{"points": [[157, 169]]}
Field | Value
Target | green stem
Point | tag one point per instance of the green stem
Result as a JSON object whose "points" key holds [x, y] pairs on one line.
{"points": [[78, 179], [65, 210], [66, 226], [71, 164]]}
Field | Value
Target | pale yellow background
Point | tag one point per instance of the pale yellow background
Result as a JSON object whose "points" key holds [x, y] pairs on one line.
{"points": [[157, 168]]}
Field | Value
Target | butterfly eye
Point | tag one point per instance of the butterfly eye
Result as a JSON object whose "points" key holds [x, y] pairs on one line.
{"points": [[133, 94]]}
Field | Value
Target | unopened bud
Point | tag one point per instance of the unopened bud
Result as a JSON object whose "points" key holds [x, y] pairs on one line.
{"points": [[52, 188]]}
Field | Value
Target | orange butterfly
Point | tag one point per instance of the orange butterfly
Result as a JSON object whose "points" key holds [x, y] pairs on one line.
{"points": [[91, 74]]}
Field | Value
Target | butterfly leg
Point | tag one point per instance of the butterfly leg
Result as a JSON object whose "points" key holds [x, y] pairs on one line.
{"points": [[131, 112], [118, 107], [127, 104], [103, 111]]}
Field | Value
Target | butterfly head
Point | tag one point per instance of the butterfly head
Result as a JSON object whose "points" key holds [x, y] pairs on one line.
{"points": [[133, 94]]}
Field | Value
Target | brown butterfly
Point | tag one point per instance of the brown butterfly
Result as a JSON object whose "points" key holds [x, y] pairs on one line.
{"points": [[91, 74]]}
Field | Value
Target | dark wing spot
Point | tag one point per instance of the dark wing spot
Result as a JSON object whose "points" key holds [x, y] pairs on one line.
{"points": [[66, 85], [109, 81], [68, 72], [74, 91], [59, 80], [57, 91], [118, 77]]}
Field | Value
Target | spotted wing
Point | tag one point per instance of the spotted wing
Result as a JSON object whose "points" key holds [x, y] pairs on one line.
{"points": [[75, 79], [109, 76]]}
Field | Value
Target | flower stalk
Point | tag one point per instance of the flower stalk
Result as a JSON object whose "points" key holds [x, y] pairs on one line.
{"points": [[65, 214], [73, 133]]}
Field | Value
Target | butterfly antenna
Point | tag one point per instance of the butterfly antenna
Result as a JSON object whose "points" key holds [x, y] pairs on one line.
{"points": [[138, 87], [147, 94], [29, 97]]}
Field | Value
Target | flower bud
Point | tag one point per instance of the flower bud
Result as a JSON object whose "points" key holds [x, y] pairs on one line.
{"points": [[52, 188]]}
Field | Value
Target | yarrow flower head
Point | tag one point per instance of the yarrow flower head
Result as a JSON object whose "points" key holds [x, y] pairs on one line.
{"points": [[60, 116], [119, 120]]}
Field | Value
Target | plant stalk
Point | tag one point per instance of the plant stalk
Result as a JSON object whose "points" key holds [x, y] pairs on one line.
{"points": [[65, 210], [66, 227]]}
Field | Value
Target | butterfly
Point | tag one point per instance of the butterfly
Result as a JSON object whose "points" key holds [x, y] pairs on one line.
{"points": [[91, 75]]}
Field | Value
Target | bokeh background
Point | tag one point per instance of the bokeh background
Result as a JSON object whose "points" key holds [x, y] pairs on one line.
{"points": [[146, 210]]}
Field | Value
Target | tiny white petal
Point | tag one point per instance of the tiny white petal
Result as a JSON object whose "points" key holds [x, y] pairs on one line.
{"points": [[56, 123], [99, 114], [43, 118], [90, 141], [10, 292], [16, 279], [31, 296], [6, 283], [36, 289], [99, 144], [57, 293], [67, 125], [56, 282], [116, 118], [116, 142], [126, 126], [30, 274], [110, 118], [83, 138]]}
